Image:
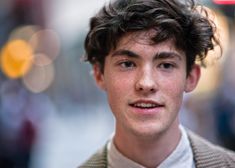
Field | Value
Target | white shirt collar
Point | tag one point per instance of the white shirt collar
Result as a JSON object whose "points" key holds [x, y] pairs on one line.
{"points": [[182, 156]]}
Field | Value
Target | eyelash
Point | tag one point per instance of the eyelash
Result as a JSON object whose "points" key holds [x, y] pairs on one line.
{"points": [[166, 66], [127, 64]]}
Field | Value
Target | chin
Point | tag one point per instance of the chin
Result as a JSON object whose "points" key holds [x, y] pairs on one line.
{"points": [[148, 131]]}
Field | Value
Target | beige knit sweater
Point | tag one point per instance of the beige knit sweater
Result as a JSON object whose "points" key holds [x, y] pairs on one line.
{"points": [[206, 155]]}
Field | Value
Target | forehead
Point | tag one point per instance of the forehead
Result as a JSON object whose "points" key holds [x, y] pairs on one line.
{"points": [[141, 40], [140, 44]]}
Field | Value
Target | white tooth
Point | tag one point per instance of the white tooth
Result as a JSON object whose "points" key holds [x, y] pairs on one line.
{"points": [[147, 105], [143, 105]]}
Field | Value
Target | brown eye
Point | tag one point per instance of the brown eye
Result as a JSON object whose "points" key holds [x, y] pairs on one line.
{"points": [[127, 64], [166, 66]]}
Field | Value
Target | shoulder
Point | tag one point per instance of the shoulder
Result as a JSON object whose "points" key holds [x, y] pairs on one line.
{"points": [[98, 160], [207, 154]]}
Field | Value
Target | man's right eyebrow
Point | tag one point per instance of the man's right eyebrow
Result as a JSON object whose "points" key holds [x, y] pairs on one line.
{"points": [[124, 52]]}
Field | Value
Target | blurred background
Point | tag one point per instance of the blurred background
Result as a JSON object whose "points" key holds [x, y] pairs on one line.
{"points": [[51, 113]]}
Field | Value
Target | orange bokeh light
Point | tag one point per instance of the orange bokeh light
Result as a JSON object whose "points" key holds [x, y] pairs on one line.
{"points": [[16, 58]]}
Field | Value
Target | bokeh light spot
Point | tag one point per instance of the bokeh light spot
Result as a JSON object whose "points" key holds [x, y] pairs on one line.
{"points": [[16, 58], [41, 59], [24, 32], [39, 78], [47, 42]]}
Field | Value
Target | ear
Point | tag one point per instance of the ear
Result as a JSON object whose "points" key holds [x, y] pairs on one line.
{"points": [[98, 76], [193, 78]]}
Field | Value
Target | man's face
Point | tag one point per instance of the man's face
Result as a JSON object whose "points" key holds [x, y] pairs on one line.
{"points": [[145, 84]]}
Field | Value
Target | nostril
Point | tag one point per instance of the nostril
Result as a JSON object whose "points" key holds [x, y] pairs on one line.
{"points": [[152, 89], [146, 88], [146, 83], [141, 88]]}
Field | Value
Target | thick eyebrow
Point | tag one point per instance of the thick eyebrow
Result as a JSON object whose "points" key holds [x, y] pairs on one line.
{"points": [[126, 53], [161, 55], [166, 54]]}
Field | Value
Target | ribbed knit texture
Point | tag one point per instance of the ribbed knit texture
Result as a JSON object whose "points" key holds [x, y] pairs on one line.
{"points": [[205, 154], [98, 160]]}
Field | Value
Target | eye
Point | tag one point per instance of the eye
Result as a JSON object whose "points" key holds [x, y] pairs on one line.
{"points": [[166, 66], [127, 64]]}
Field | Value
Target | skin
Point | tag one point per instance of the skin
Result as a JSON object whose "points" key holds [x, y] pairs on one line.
{"points": [[137, 73]]}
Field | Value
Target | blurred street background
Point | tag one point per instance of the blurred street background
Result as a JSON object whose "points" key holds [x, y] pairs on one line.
{"points": [[51, 113]]}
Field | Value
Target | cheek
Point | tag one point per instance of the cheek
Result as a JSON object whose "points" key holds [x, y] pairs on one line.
{"points": [[118, 83], [174, 91], [118, 89], [118, 92]]}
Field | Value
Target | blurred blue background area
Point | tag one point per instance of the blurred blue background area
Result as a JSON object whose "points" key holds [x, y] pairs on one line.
{"points": [[52, 115]]}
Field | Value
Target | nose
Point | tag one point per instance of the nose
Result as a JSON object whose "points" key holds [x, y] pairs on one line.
{"points": [[146, 82]]}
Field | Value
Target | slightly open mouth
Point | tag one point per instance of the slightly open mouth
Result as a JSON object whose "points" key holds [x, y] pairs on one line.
{"points": [[145, 105]]}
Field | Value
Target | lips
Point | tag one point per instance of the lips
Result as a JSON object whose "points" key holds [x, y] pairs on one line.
{"points": [[146, 104]]}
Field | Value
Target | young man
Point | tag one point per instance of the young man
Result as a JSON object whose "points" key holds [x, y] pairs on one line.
{"points": [[143, 54]]}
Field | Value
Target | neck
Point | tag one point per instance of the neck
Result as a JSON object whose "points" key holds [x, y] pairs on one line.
{"points": [[149, 152]]}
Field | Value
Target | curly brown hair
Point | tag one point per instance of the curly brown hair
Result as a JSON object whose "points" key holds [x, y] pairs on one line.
{"points": [[191, 29]]}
